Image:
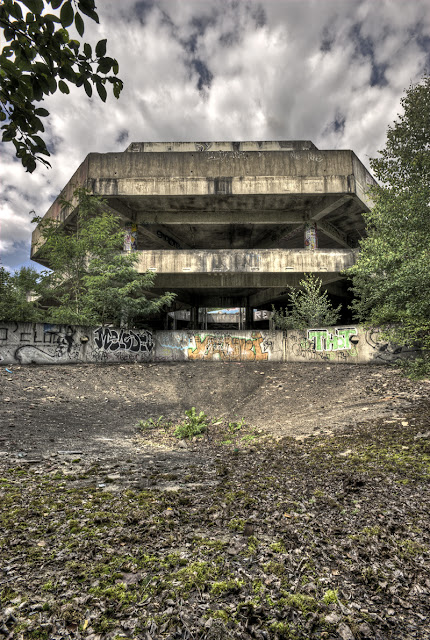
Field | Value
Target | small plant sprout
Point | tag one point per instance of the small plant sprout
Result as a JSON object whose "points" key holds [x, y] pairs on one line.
{"points": [[330, 596], [159, 423]]}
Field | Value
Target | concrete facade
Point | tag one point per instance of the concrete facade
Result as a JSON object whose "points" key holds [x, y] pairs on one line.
{"points": [[24, 344], [230, 223]]}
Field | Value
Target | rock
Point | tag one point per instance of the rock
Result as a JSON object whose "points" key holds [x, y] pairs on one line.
{"points": [[365, 631], [345, 632], [332, 618]]}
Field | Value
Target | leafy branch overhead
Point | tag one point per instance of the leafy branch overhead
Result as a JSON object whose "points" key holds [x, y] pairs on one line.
{"points": [[40, 57]]}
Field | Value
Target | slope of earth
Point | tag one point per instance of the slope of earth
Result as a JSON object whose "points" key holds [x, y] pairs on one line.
{"points": [[95, 408], [307, 519]]}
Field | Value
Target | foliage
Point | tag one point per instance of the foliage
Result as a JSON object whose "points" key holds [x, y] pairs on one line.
{"points": [[15, 290], [236, 425], [309, 307], [40, 57], [91, 281], [194, 424], [391, 279], [155, 424]]}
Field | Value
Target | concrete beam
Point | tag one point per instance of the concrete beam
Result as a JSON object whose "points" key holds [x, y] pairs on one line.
{"points": [[333, 233], [232, 216], [272, 237], [329, 208], [230, 186], [158, 234], [241, 260], [163, 237], [276, 293]]}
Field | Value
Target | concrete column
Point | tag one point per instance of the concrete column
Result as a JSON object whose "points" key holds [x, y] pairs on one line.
{"points": [[130, 238], [249, 317], [194, 318], [311, 235]]}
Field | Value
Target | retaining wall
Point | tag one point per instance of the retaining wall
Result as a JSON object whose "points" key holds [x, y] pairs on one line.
{"points": [[25, 343]]}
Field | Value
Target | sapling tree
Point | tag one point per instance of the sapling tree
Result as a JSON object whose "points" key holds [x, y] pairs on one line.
{"points": [[18, 295], [309, 306], [91, 280]]}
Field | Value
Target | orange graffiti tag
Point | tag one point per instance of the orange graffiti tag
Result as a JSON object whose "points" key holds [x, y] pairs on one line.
{"points": [[226, 347]]}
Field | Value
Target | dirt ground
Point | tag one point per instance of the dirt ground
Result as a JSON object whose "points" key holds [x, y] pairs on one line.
{"points": [[307, 519], [95, 408]]}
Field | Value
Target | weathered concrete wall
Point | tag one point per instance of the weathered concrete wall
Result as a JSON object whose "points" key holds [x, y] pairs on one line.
{"points": [[25, 343]]}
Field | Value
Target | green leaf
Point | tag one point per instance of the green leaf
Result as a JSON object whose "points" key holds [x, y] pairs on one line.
{"points": [[87, 50], [56, 3], [35, 6], [41, 112], [16, 11], [101, 91], [79, 24], [38, 140], [66, 14], [88, 9], [101, 48], [105, 65], [117, 89], [30, 164], [3, 116], [63, 87], [88, 88], [8, 135]]}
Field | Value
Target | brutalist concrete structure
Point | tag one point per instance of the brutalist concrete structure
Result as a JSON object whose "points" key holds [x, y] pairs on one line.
{"points": [[231, 223]]}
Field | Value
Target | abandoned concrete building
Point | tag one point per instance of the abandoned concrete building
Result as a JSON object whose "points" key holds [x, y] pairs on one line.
{"points": [[230, 224]]}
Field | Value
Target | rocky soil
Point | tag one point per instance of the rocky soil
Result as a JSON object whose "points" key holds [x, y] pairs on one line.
{"points": [[308, 518]]}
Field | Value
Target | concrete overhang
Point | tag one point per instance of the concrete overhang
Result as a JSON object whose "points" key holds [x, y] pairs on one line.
{"points": [[199, 191]]}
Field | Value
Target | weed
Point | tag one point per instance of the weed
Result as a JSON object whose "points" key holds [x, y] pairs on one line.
{"points": [[194, 424], [220, 614], [278, 547], [159, 423], [281, 629], [330, 596], [236, 426], [227, 586], [298, 601], [236, 524]]}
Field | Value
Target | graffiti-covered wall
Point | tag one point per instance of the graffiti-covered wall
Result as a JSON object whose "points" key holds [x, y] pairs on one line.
{"points": [[24, 343], [349, 344], [225, 346]]}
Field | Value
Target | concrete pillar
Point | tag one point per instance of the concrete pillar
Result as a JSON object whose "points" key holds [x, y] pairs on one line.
{"points": [[194, 318], [249, 317], [130, 238], [311, 236]]}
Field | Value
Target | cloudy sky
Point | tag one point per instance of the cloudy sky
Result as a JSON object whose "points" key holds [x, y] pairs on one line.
{"points": [[330, 71]]}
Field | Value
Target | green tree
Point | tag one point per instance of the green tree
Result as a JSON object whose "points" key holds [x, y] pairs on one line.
{"points": [[17, 291], [308, 307], [391, 279], [92, 281], [41, 57]]}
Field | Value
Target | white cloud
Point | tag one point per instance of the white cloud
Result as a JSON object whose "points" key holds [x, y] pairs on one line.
{"points": [[214, 70]]}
